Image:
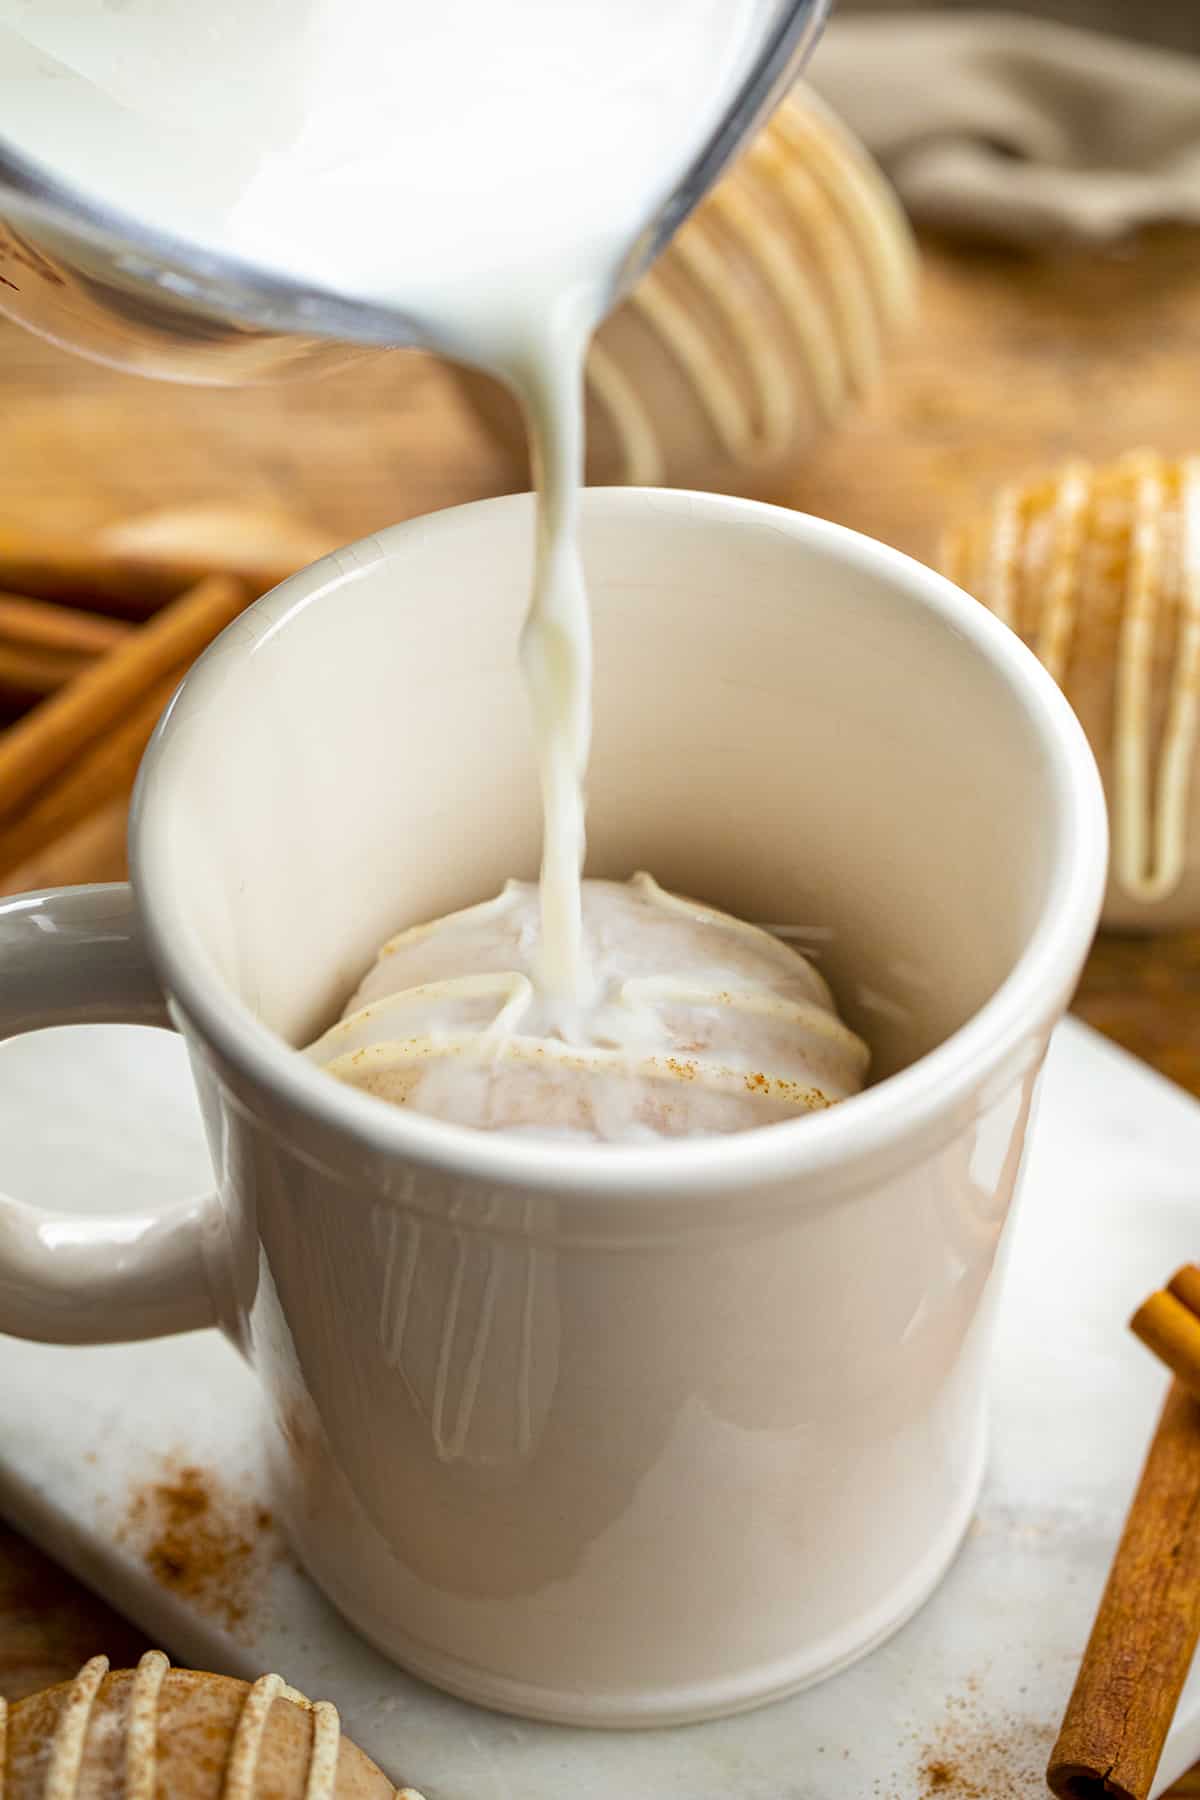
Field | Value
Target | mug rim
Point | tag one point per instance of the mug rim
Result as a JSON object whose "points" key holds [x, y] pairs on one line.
{"points": [[837, 1142]]}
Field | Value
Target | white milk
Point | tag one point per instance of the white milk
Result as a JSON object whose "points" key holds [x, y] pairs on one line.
{"points": [[484, 170], [482, 167]]}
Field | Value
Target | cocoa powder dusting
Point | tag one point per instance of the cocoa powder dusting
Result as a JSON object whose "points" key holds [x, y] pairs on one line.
{"points": [[207, 1545]]}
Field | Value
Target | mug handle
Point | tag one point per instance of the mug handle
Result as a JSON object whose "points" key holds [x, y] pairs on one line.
{"points": [[73, 956]]}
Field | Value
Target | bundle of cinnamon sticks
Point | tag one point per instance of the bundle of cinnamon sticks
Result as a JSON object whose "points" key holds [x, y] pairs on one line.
{"points": [[1148, 1621], [95, 634]]}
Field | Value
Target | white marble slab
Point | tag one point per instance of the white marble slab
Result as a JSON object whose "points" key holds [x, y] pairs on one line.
{"points": [[100, 1117]]}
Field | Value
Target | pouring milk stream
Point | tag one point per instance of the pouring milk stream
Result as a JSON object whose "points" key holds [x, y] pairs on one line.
{"points": [[486, 170], [525, 146]]}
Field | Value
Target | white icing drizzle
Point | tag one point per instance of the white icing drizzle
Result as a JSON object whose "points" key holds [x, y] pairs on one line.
{"points": [[1062, 578], [1000, 577], [1149, 804], [702, 362], [785, 258], [141, 1727], [851, 312], [632, 420], [802, 185], [867, 202], [326, 1741], [141, 1734], [1183, 718], [1135, 653], [247, 1737], [1150, 865], [70, 1733]]}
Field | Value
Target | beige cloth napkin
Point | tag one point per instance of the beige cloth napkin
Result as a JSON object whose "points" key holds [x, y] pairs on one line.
{"points": [[1015, 129]]}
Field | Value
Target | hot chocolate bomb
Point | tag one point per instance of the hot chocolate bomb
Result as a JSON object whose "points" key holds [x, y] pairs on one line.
{"points": [[688, 1022]]}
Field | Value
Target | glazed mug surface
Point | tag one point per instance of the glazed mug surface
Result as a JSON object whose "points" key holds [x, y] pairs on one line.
{"points": [[612, 1435]]}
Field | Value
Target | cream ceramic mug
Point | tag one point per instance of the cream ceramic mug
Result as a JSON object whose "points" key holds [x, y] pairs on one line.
{"points": [[611, 1435]]}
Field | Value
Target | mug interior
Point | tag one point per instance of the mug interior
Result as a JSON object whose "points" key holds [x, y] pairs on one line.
{"points": [[790, 722]]}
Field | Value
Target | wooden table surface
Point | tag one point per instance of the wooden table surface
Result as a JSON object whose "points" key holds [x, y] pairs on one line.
{"points": [[1014, 364]]}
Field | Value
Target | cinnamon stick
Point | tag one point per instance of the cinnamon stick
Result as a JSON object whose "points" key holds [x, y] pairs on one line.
{"points": [[95, 779], [43, 743], [29, 675], [42, 625], [49, 567], [128, 582], [1185, 1285], [1168, 1323], [1146, 1628], [92, 850]]}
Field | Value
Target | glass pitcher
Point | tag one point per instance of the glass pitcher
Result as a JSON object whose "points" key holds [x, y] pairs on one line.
{"points": [[102, 283]]}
